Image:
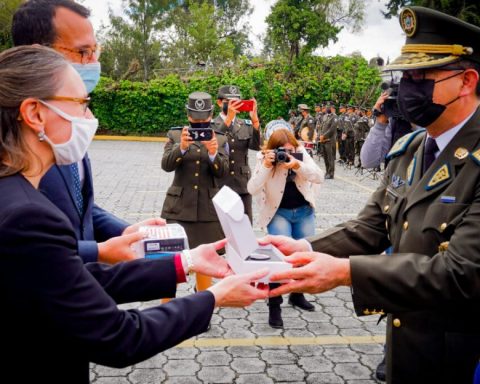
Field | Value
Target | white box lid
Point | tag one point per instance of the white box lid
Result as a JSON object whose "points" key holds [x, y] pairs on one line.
{"points": [[235, 224]]}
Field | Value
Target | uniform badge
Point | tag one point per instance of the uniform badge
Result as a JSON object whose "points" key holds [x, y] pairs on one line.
{"points": [[443, 246], [476, 156], [397, 181], [200, 104], [442, 175], [461, 153], [411, 170], [408, 22]]}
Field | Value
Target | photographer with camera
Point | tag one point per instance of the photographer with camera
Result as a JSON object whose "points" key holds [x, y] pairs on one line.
{"points": [[388, 128], [199, 157], [284, 183]]}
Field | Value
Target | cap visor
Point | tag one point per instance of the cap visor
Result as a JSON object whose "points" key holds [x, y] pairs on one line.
{"points": [[196, 115]]}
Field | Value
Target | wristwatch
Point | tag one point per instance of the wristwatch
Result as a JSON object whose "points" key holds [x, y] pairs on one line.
{"points": [[377, 112]]}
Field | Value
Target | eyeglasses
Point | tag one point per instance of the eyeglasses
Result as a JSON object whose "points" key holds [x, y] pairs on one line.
{"points": [[84, 101], [86, 54]]}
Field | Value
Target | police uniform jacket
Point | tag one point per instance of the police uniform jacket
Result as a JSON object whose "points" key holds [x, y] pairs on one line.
{"points": [[348, 124], [329, 127], [241, 137], [361, 129], [309, 122], [430, 285], [196, 179]]}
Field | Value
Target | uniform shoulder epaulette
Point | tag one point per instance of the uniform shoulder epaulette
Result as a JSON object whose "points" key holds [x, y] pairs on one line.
{"points": [[401, 145], [475, 156], [217, 132]]}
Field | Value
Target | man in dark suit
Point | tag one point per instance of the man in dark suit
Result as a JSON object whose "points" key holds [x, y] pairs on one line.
{"points": [[427, 208], [64, 26]]}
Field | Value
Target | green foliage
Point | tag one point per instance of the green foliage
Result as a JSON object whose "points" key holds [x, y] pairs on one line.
{"points": [[7, 9], [298, 27], [152, 108], [467, 10]]}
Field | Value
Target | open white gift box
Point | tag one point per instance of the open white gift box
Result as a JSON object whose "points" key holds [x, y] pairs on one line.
{"points": [[243, 252]]}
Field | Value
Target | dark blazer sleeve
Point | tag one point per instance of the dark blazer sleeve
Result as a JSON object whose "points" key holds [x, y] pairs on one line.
{"points": [[106, 225], [254, 143], [43, 272]]}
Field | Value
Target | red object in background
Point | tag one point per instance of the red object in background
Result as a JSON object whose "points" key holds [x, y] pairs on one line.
{"points": [[246, 106]]}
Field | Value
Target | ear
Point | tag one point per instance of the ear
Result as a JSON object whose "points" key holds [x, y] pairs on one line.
{"points": [[220, 103], [33, 115], [470, 81]]}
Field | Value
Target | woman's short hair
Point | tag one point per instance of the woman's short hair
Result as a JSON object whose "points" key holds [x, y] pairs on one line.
{"points": [[26, 71]]}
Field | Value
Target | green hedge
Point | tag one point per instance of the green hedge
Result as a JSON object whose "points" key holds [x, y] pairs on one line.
{"points": [[151, 108]]}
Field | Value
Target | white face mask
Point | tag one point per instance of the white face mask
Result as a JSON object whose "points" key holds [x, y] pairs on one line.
{"points": [[73, 150]]}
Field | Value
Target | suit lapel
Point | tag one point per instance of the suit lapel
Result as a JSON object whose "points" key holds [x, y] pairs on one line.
{"points": [[444, 169]]}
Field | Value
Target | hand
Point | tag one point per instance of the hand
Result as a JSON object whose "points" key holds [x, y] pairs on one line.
{"points": [[233, 105], [378, 106], [185, 139], [293, 163], [268, 158], [135, 227], [207, 261], [344, 136], [118, 248], [211, 145], [286, 244], [313, 273], [254, 115], [236, 290]]}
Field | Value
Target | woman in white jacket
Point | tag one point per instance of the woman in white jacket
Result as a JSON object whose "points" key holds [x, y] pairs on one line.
{"points": [[284, 183]]}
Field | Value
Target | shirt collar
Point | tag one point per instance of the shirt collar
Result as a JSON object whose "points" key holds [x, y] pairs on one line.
{"points": [[445, 138]]}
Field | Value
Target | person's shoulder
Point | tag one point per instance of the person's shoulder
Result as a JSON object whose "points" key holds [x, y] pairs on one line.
{"points": [[402, 144]]}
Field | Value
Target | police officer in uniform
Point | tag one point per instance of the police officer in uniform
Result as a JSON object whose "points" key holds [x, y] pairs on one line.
{"points": [[427, 208], [306, 131], [293, 119], [348, 135], [199, 167], [340, 126], [360, 133], [327, 139], [242, 135]]}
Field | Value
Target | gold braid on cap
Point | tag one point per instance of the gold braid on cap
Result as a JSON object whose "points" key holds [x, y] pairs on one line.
{"points": [[456, 50]]}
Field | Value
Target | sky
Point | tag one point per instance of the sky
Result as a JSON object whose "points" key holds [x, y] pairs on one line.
{"points": [[379, 36]]}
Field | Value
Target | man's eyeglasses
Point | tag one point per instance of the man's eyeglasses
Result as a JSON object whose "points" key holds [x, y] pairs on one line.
{"points": [[85, 54], [84, 101]]}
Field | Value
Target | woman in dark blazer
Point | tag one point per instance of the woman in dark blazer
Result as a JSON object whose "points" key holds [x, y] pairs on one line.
{"points": [[58, 312]]}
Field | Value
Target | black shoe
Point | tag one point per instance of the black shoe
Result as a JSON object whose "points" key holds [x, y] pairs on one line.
{"points": [[328, 177], [298, 300], [275, 317], [381, 369]]}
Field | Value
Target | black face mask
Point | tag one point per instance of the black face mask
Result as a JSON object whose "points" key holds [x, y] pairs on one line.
{"points": [[415, 101], [205, 124], [225, 107], [329, 110]]}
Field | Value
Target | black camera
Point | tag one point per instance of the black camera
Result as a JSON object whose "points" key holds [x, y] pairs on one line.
{"points": [[281, 155], [389, 106]]}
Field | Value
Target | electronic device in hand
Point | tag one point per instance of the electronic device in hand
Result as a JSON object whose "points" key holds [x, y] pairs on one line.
{"points": [[246, 106], [201, 134]]}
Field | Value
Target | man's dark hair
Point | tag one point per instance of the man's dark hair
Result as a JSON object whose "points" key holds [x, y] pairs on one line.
{"points": [[33, 21]]}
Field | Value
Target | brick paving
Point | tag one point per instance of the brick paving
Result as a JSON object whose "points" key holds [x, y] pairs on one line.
{"points": [[241, 347]]}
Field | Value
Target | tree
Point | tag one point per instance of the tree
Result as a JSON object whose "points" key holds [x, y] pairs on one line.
{"points": [[7, 9], [196, 37], [467, 10], [298, 27], [135, 36]]}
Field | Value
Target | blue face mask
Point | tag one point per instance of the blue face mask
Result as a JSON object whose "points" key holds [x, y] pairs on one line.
{"points": [[90, 74]]}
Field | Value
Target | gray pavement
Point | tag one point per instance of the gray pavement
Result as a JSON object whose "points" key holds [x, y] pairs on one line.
{"points": [[330, 345]]}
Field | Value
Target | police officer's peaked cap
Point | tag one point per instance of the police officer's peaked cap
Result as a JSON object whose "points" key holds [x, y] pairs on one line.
{"points": [[330, 104], [199, 105], [229, 92], [303, 107], [435, 39]]}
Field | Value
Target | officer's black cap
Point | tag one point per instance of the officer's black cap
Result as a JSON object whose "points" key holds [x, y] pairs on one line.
{"points": [[199, 105], [435, 39], [229, 92]]}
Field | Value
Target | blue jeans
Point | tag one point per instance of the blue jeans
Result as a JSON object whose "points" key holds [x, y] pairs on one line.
{"points": [[297, 223]]}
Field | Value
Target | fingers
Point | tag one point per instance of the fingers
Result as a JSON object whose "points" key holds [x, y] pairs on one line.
{"points": [[256, 275], [133, 237], [300, 258], [291, 274], [153, 221], [220, 244], [294, 286]]}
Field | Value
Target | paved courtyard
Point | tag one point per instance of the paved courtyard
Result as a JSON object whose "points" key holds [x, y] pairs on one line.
{"points": [[330, 345]]}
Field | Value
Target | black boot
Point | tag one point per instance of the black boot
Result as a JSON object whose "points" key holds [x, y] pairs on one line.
{"points": [[298, 300], [381, 370], [275, 316]]}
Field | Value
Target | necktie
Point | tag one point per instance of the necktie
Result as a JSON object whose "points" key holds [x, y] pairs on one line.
{"points": [[429, 153], [77, 187]]}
